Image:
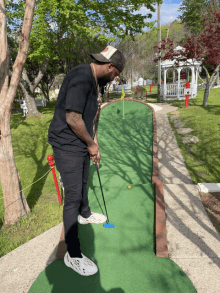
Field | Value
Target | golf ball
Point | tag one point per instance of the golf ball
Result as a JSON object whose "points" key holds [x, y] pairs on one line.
{"points": [[129, 187]]}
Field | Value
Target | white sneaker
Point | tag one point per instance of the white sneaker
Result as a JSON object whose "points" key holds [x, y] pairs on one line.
{"points": [[95, 218], [83, 266]]}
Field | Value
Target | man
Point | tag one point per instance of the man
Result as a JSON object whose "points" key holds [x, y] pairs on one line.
{"points": [[114, 82], [70, 134], [141, 81]]}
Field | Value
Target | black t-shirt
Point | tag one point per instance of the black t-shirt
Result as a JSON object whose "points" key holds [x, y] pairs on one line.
{"points": [[79, 93]]}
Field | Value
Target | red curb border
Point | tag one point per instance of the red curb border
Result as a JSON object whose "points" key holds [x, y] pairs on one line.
{"points": [[160, 218]]}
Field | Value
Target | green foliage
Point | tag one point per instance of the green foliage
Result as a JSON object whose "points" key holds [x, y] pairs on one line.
{"points": [[54, 21], [140, 92], [65, 32], [140, 53], [193, 11]]}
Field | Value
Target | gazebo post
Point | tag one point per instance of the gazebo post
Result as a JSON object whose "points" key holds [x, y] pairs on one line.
{"points": [[197, 69], [178, 89], [192, 81], [165, 83]]}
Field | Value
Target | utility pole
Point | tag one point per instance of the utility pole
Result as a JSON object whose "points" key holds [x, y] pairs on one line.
{"points": [[159, 44], [167, 30]]}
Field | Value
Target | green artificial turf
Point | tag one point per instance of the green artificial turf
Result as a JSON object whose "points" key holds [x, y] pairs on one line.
{"points": [[29, 137], [125, 255]]}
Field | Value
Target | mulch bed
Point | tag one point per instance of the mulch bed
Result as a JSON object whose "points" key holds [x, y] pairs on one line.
{"points": [[211, 203]]}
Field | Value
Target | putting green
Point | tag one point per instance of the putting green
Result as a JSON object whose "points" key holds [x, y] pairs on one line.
{"points": [[125, 255]]}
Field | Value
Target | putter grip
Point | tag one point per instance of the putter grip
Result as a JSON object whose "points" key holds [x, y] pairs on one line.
{"points": [[96, 166]]}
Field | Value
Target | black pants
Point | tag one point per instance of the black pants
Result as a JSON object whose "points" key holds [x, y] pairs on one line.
{"points": [[74, 171]]}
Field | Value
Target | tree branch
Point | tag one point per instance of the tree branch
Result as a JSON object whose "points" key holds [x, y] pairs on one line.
{"points": [[4, 54], [22, 53], [40, 75], [24, 76]]}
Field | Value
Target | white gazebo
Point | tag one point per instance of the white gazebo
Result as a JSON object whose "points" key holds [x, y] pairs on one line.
{"points": [[175, 90]]}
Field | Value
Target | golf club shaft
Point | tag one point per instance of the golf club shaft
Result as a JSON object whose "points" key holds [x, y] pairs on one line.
{"points": [[102, 194]]}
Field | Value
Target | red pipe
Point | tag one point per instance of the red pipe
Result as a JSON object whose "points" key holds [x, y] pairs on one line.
{"points": [[51, 163], [187, 101]]}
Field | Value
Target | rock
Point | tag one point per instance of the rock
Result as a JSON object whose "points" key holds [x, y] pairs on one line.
{"points": [[188, 139], [178, 123], [194, 139], [191, 149], [202, 175], [175, 117], [175, 112], [184, 130]]}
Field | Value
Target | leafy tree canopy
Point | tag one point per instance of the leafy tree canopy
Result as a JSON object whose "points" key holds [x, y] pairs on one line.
{"points": [[193, 11], [100, 21]]}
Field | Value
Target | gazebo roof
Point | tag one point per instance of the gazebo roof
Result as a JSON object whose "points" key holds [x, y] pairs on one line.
{"points": [[190, 62]]}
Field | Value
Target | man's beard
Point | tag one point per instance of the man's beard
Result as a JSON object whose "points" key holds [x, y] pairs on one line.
{"points": [[102, 81]]}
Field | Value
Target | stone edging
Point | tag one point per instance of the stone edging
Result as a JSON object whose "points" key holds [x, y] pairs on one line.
{"points": [[160, 218]]}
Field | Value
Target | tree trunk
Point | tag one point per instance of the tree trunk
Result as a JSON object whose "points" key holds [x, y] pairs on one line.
{"points": [[218, 78], [14, 200], [45, 88], [31, 105], [28, 89], [206, 93], [209, 84]]}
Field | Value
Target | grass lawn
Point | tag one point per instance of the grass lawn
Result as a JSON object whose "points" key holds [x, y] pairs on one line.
{"points": [[29, 137]]}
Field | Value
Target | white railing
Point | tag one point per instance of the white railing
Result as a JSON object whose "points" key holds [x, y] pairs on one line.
{"points": [[127, 89], [171, 90], [40, 102]]}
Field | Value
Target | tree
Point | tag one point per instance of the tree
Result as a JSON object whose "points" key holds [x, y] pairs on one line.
{"points": [[51, 25], [139, 51], [56, 20], [193, 11], [15, 203], [54, 31], [203, 47]]}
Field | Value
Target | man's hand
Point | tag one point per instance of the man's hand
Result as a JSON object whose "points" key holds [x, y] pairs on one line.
{"points": [[95, 155], [93, 150], [98, 158]]}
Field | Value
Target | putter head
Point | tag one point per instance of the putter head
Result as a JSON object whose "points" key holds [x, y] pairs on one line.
{"points": [[109, 225]]}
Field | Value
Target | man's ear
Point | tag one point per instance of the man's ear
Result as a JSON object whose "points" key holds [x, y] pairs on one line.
{"points": [[110, 66]]}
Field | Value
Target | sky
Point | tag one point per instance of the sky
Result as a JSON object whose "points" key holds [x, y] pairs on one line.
{"points": [[168, 11]]}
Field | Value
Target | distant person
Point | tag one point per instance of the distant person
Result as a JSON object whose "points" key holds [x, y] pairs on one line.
{"points": [[70, 134], [114, 82], [141, 81], [24, 108]]}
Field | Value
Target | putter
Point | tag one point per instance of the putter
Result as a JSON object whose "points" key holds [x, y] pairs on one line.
{"points": [[107, 225]]}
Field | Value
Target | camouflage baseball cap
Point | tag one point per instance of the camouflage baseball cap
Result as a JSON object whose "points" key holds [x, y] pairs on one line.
{"points": [[110, 55]]}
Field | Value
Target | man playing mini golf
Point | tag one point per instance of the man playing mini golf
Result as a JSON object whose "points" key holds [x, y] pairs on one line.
{"points": [[70, 134]]}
